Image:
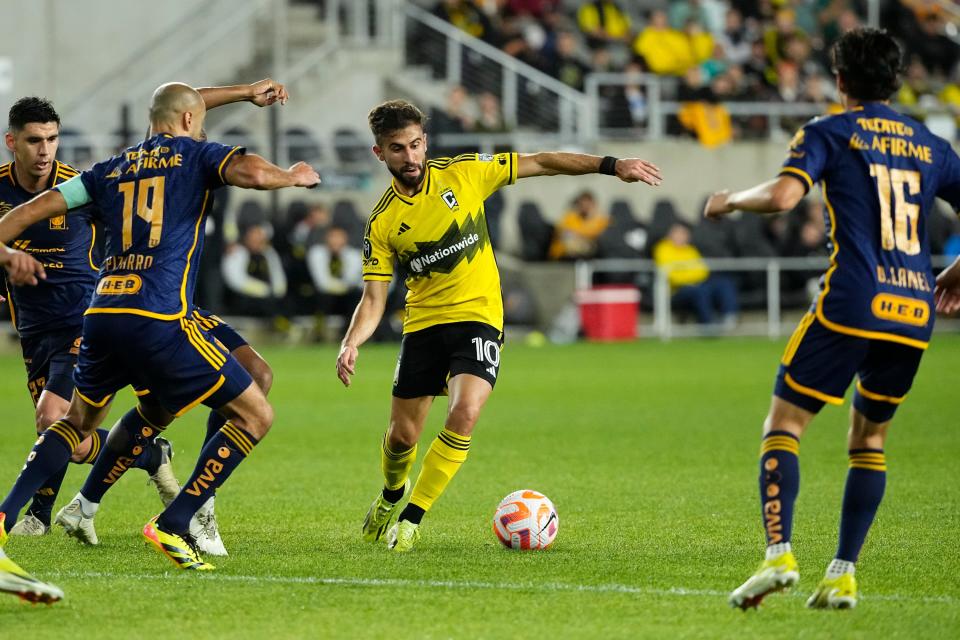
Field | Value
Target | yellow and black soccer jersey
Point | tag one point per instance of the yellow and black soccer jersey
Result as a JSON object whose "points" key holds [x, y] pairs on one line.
{"points": [[439, 239]]}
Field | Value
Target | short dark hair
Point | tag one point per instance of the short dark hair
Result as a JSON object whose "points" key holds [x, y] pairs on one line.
{"points": [[392, 116], [868, 62], [32, 109]]}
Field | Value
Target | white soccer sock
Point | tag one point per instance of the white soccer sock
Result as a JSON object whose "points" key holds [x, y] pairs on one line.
{"points": [[87, 508], [777, 550], [839, 567]]}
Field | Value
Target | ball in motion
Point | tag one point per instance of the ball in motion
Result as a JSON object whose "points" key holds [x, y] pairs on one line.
{"points": [[526, 520]]}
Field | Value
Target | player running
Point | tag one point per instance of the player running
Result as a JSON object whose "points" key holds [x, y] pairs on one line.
{"points": [[77, 517], [153, 199], [431, 220], [48, 317], [879, 172]]}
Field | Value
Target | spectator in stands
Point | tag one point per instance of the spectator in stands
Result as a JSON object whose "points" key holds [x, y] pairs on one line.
{"points": [[694, 288], [575, 236], [668, 51], [701, 113], [466, 16], [709, 13], [337, 272], [566, 64], [735, 38], [253, 274], [490, 119], [536, 9], [454, 118], [938, 52], [311, 228], [603, 22]]}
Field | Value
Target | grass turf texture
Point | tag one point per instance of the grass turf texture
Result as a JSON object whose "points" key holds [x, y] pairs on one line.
{"points": [[648, 450]]}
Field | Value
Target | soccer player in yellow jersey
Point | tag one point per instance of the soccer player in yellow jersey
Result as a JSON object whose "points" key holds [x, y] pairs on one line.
{"points": [[431, 221]]}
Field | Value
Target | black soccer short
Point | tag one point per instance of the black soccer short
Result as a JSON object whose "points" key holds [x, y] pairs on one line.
{"points": [[819, 364], [50, 358], [430, 357], [219, 329]]}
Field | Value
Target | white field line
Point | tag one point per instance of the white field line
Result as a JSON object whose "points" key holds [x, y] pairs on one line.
{"points": [[539, 587]]}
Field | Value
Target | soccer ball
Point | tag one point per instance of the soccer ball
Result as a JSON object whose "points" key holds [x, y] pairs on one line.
{"points": [[526, 520]]}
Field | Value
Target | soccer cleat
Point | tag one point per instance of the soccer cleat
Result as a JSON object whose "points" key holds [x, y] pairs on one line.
{"points": [[778, 574], [380, 514], [206, 534], [403, 536], [835, 593], [163, 478], [29, 525], [14, 580], [76, 524], [181, 551]]}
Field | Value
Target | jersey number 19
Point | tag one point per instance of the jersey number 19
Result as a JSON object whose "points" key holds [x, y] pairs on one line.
{"points": [[148, 195]]}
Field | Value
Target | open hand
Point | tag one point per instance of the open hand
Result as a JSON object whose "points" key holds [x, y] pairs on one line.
{"points": [[346, 363], [637, 170]]}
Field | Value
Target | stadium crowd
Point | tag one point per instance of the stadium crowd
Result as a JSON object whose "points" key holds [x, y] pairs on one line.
{"points": [[717, 51]]}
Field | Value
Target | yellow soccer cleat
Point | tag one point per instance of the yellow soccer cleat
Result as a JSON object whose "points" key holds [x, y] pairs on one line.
{"points": [[14, 580], [403, 536], [380, 514], [835, 593], [180, 552], [778, 574]]}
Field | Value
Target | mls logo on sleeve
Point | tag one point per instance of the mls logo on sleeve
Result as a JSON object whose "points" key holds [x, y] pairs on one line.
{"points": [[450, 199]]}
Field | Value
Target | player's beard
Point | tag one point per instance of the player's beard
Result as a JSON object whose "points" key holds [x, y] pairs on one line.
{"points": [[409, 182]]}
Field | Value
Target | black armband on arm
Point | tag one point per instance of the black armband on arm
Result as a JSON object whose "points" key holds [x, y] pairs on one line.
{"points": [[608, 166]]}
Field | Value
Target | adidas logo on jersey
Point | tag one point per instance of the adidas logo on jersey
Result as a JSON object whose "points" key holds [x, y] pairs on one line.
{"points": [[403, 228]]}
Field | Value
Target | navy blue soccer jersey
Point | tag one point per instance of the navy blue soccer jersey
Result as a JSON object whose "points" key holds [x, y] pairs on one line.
{"points": [[66, 245], [879, 172], [152, 201]]}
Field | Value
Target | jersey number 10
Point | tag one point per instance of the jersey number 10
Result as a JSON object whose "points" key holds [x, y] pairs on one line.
{"points": [[899, 230], [148, 194]]}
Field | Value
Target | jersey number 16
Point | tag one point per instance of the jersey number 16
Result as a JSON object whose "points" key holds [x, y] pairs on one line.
{"points": [[899, 230]]}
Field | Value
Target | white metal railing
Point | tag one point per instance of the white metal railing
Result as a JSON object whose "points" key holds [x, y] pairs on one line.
{"points": [[571, 108], [663, 326]]}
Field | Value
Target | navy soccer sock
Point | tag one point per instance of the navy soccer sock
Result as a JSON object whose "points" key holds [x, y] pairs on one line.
{"points": [[42, 505], [866, 481], [215, 422], [220, 456], [779, 485], [128, 444], [48, 456]]}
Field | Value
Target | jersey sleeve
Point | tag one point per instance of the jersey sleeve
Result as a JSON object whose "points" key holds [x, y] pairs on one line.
{"points": [[950, 179], [490, 172], [807, 157], [377, 252], [214, 158]]}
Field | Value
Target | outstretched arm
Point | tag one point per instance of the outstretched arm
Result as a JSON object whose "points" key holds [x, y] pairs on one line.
{"points": [[251, 171], [779, 194], [22, 268], [552, 163], [365, 320], [262, 93]]}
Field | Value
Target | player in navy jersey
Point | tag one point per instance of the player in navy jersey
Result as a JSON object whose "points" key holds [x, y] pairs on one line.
{"points": [[139, 330], [879, 173], [48, 317]]}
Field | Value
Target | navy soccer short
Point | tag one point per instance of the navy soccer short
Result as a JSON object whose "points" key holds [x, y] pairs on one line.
{"points": [[176, 360], [217, 328], [431, 356], [50, 358], [819, 364]]}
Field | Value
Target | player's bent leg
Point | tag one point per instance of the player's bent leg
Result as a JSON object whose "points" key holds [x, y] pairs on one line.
{"points": [[52, 451], [398, 452], [448, 452], [249, 418], [779, 485]]}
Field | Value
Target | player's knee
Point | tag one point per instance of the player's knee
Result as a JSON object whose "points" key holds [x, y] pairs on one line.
{"points": [[401, 436], [45, 418], [463, 416], [257, 421], [262, 374]]}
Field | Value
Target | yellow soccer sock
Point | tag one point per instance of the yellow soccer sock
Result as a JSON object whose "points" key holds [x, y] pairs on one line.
{"points": [[447, 453], [396, 465]]}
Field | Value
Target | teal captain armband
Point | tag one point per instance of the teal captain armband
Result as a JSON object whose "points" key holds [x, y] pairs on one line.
{"points": [[74, 192]]}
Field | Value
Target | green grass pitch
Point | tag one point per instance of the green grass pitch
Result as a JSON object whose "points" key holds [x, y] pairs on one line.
{"points": [[648, 450]]}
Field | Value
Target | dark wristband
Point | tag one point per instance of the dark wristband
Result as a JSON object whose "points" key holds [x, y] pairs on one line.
{"points": [[608, 166]]}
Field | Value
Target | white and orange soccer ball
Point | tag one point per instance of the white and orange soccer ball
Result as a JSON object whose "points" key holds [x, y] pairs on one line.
{"points": [[526, 520]]}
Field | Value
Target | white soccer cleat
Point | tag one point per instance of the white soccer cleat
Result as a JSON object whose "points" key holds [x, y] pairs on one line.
{"points": [[77, 524], [29, 525], [206, 534], [163, 479]]}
